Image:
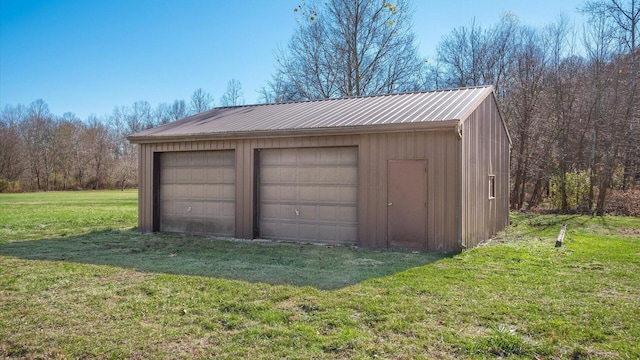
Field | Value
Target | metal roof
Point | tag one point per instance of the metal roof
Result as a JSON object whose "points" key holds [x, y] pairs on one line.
{"points": [[328, 114]]}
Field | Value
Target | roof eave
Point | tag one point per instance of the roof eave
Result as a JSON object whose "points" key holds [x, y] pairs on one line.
{"points": [[261, 134]]}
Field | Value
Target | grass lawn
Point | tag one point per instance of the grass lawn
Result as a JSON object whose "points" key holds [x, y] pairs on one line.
{"points": [[77, 281]]}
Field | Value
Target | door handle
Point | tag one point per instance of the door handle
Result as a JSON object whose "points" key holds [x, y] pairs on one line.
{"points": [[389, 203]]}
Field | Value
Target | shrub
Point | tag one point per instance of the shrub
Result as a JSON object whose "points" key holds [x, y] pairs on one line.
{"points": [[576, 187], [4, 185]]}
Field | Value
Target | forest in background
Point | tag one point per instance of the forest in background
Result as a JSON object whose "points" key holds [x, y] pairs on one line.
{"points": [[568, 95]]}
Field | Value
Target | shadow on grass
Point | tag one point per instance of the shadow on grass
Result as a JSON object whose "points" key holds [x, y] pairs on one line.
{"points": [[537, 224], [321, 267]]}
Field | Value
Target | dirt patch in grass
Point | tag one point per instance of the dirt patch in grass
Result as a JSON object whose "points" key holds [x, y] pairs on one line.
{"points": [[365, 262], [630, 232]]}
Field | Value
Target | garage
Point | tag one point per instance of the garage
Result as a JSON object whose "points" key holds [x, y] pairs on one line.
{"points": [[426, 171], [308, 194], [197, 192]]}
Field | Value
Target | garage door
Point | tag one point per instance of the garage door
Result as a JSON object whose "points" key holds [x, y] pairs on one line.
{"points": [[309, 194], [197, 192]]}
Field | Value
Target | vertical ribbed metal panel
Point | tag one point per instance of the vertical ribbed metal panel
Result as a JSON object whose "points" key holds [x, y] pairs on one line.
{"points": [[438, 148], [247, 188], [142, 206], [145, 187], [485, 148]]}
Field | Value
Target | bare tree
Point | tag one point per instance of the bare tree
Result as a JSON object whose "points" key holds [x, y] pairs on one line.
{"points": [[562, 94], [143, 114], [36, 132], [97, 136], [624, 17], [625, 14], [522, 108], [350, 48], [472, 56], [598, 41], [460, 52], [617, 20], [279, 89], [265, 96], [200, 101], [11, 163], [178, 110], [123, 122], [162, 114], [81, 152], [233, 96], [63, 151], [40, 151]]}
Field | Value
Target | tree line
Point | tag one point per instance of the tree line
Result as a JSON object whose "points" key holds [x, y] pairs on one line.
{"points": [[568, 95], [42, 151]]}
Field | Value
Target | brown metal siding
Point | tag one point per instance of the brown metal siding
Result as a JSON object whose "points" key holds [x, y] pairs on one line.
{"points": [[439, 148], [485, 151], [418, 126], [145, 188]]}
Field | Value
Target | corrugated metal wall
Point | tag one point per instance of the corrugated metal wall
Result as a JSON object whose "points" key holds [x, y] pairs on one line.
{"points": [[485, 152], [441, 150]]}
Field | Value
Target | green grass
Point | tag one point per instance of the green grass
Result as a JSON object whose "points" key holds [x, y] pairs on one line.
{"points": [[58, 214], [77, 281]]}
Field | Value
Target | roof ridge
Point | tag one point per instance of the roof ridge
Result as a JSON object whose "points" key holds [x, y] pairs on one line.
{"points": [[357, 97], [312, 115]]}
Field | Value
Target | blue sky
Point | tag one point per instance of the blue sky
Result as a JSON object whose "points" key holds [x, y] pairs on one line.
{"points": [[87, 56]]}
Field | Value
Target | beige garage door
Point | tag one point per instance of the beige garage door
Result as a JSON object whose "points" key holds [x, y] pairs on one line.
{"points": [[197, 192], [309, 194]]}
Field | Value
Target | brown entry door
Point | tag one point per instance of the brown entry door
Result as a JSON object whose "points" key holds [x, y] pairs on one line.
{"points": [[406, 204]]}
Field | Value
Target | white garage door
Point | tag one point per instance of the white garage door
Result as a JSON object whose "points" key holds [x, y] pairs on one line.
{"points": [[309, 194], [197, 192]]}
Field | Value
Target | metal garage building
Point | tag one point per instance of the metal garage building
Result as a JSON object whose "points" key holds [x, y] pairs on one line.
{"points": [[424, 170]]}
